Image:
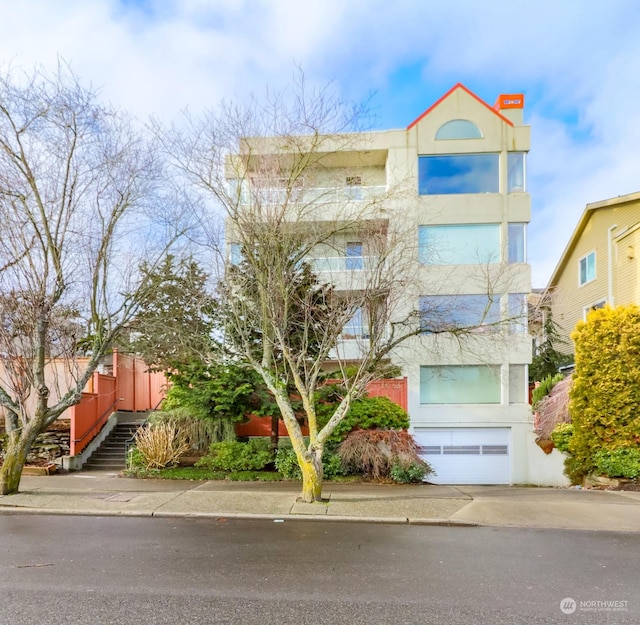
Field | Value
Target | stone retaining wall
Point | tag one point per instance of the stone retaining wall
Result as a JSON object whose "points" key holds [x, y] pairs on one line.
{"points": [[47, 447]]}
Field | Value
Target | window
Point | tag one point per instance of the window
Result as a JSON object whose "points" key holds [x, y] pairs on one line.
{"points": [[464, 244], [458, 129], [587, 271], [518, 312], [441, 313], [468, 384], [596, 306], [356, 327], [354, 260], [458, 173], [516, 241], [517, 384], [235, 253], [515, 172]]}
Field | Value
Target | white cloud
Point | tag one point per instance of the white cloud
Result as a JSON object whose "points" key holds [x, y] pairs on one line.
{"points": [[576, 60]]}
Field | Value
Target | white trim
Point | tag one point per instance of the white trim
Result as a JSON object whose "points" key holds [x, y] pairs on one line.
{"points": [[601, 303], [610, 263]]}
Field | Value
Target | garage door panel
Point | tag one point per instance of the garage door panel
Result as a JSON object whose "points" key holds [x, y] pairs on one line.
{"points": [[466, 455]]}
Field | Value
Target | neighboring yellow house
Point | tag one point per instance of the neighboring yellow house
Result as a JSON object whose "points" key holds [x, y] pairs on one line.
{"points": [[600, 264]]}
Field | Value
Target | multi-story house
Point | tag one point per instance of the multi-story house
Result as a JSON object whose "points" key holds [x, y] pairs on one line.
{"points": [[462, 215], [599, 265]]}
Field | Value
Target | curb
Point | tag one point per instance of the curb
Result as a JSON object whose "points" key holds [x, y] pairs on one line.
{"points": [[16, 510]]}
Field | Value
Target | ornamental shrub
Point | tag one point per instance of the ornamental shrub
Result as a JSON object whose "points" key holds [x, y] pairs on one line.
{"points": [[287, 463], [545, 387], [375, 452], [413, 472], [368, 413], [561, 436], [158, 446], [622, 462], [253, 455], [198, 433], [605, 396]]}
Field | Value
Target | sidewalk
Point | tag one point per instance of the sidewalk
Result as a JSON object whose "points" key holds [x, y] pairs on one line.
{"points": [[101, 494]]}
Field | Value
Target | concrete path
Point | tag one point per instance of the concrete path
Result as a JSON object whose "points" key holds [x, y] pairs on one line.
{"points": [[98, 493]]}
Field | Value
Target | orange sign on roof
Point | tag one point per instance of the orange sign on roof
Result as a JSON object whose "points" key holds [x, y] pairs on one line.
{"points": [[509, 101]]}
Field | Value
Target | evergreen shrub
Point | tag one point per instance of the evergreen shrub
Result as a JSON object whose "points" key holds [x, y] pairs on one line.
{"points": [[368, 413], [253, 455], [605, 396]]}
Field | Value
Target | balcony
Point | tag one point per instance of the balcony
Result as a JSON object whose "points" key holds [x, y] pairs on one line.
{"points": [[356, 193], [333, 264], [311, 195]]}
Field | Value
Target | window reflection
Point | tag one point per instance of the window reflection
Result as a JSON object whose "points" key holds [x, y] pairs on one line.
{"points": [[458, 173]]}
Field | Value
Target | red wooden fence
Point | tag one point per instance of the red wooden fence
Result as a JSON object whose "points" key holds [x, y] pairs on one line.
{"points": [[133, 388], [88, 417], [395, 390], [130, 388], [138, 388]]}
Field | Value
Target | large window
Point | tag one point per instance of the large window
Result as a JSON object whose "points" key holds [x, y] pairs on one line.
{"points": [[516, 237], [587, 268], [458, 173], [464, 244], [442, 313], [515, 172], [466, 384]]}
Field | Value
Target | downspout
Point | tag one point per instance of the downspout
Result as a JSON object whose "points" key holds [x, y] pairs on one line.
{"points": [[610, 265]]}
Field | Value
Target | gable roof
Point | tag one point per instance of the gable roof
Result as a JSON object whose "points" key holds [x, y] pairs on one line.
{"points": [[446, 95], [582, 224]]}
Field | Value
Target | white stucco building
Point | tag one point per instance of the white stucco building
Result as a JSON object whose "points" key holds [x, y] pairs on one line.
{"points": [[462, 210]]}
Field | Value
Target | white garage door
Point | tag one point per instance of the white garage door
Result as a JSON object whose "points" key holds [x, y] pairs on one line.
{"points": [[466, 455]]}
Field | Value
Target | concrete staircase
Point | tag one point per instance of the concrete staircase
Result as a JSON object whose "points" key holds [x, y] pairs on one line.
{"points": [[112, 454]]}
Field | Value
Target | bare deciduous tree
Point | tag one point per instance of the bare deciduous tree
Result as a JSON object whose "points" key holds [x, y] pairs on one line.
{"points": [[83, 199], [278, 170]]}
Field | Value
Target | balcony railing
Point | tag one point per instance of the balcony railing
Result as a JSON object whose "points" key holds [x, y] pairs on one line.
{"points": [[319, 195], [342, 263], [343, 194]]}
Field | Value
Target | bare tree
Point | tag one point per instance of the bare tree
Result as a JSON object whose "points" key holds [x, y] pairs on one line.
{"points": [[83, 200], [277, 169]]}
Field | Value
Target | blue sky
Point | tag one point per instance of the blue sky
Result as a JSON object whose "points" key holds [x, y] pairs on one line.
{"points": [[577, 61]]}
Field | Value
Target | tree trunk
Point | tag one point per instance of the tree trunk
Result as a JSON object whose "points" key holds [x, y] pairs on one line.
{"points": [[275, 432], [14, 461], [311, 476]]}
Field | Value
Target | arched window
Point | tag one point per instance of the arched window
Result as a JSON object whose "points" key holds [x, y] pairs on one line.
{"points": [[459, 129]]}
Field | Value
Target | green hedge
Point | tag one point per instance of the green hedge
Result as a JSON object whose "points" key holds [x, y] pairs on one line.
{"points": [[605, 396]]}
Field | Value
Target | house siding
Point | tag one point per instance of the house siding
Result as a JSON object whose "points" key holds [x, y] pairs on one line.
{"points": [[569, 299]]}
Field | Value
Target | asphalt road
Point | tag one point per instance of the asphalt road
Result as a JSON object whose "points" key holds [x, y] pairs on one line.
{"points": [[104, 570]]}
